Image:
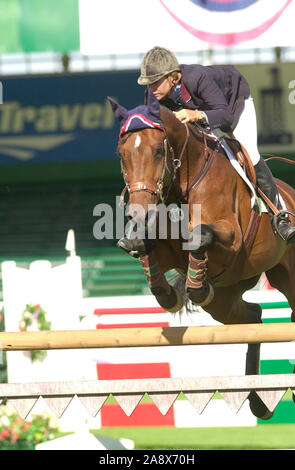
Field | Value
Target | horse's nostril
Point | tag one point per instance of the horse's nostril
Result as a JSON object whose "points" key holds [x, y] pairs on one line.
{"points": [[128, 212]]}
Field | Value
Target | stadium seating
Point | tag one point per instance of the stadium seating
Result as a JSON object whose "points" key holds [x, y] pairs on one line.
{"points": [[35, 219]]}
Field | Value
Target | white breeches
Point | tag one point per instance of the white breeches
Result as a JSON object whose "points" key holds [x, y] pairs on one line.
{"points": [[246, 130]]}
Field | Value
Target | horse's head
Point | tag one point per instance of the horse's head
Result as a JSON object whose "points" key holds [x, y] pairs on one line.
{"points": [[147, 153], [142, 150], [147, 159]]}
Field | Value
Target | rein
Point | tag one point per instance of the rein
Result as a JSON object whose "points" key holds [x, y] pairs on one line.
{"points": [[283, 159]]}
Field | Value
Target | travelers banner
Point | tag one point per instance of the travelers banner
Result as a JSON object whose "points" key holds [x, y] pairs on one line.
{"points": [[63, 117]]}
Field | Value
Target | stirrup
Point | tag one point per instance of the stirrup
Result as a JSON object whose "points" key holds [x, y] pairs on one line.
{"points": [[277, 219]]}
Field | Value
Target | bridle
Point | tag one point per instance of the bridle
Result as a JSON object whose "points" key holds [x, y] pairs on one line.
{"points": [[161, 190]]}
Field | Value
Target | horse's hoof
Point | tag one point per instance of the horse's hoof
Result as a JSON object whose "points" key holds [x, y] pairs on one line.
{"points": [[258, 408], [202, 296], [179, 303], [172, 302]]}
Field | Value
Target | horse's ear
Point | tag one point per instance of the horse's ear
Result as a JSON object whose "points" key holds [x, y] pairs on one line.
{"points": [[120, 112], [152, 104]]}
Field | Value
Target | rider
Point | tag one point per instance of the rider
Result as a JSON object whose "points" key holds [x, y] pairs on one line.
{"points": [[218, 96]]}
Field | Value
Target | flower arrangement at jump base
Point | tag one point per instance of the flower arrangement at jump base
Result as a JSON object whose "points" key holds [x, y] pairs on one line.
{"points": [[33, 318], [16, 433]]}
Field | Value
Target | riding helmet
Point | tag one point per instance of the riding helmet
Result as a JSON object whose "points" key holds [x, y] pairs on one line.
{"points": [[157, 63]]}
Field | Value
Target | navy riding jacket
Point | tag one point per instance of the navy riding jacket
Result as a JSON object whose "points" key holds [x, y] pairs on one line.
{"points": [[218, 90]]}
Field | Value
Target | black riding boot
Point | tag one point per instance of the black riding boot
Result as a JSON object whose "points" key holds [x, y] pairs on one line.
{"points": [[266, 183]]}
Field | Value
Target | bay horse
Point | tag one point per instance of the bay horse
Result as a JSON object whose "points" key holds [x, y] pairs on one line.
{"points": [[164, 160]]}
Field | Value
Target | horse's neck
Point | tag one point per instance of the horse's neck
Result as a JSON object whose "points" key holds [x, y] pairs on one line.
{"points": [[195, 152], [193, 158], [176, 131], [202, 157]]}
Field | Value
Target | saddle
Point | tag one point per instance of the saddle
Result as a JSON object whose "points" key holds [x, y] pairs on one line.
{"points": [[243, 158], [245, 161], [240, 153]]}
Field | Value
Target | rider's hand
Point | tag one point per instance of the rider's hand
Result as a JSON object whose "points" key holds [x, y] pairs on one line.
{"points": [[190, 115]]}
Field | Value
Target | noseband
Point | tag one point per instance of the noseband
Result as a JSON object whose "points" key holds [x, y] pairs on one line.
{"points": [[159, 190]]}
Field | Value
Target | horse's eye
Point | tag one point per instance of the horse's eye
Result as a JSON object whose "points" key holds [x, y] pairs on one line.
{"points": [[159, 151]]}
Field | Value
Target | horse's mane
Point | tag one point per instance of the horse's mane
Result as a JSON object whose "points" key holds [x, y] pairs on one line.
{"points": [[170, 120], [168, 117]]}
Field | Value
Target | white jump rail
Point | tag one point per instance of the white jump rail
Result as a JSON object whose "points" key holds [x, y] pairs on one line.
{"points": [[163, 392]]}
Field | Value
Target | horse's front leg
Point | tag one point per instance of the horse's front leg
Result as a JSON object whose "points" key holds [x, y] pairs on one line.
{"points": [[167, 296], [199, 289], [216, 239]]}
